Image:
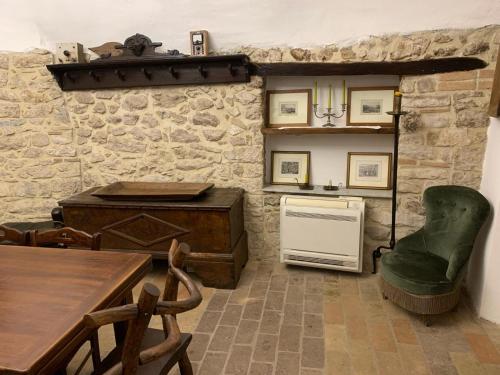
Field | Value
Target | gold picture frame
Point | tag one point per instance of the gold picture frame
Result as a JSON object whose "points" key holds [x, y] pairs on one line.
{"points": [[288, 108], [369, 170]]}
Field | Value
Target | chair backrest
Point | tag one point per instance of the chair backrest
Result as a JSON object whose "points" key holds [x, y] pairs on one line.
{"points": [[454, 216], [66, 236], [138, 316], [168, 308], [11, 236]]}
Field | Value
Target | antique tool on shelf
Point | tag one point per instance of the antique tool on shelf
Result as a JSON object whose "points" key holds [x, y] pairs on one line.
{"points": [[330, 111], [397, 113]]}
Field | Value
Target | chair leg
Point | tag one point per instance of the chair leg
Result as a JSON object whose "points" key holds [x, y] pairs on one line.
{"points": [[185, 365], [96, 353]]}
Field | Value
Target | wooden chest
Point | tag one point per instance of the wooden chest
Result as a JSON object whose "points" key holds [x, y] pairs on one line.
{"points": [[211, 224]]}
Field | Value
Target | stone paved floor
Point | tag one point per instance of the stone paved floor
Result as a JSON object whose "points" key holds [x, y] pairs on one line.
{"points": [[300, 321]]}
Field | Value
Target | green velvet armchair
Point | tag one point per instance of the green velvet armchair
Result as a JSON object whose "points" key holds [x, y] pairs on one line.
{"points": [[424, 271]]}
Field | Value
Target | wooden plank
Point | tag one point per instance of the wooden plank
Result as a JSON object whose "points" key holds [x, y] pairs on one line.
{"points": [[44, 294], [420, 67], [321, 130], [494, 109]]}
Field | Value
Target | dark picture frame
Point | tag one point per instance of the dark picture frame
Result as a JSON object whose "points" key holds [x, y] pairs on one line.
{"points": [[307, 154], [388, 181], [351, 110], [270, 94]]}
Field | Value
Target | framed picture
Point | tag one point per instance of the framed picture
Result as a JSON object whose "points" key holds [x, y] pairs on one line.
{"points": [[369, 170], [290, 167], [369, 106], [286, 108]]}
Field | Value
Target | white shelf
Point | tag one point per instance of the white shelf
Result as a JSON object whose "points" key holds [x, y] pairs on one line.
{"points": [[318, 190]]}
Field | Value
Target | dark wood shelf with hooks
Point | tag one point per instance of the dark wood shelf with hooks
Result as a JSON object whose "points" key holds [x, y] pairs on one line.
{"points": [[152, 71]]}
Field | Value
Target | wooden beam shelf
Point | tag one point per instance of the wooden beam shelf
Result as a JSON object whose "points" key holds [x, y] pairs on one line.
{"points": [[320, 130], [420, 67], [151, 71]]}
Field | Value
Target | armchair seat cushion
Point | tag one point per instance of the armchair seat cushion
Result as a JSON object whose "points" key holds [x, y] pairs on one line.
{"points": [[417, 272]]}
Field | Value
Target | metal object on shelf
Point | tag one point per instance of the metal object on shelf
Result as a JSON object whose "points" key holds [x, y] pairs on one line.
{"points": [[397, 113]]}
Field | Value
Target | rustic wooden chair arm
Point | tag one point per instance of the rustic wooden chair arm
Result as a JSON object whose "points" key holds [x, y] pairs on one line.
{"points": [[169, 345], [111, 315], [177, 307]]}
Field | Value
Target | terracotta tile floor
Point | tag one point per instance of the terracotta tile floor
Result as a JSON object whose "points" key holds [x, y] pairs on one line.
{"points": [[300, 321]]}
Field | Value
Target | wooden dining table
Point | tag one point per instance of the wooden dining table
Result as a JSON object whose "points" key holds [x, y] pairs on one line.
{"points": [[44, 294]]}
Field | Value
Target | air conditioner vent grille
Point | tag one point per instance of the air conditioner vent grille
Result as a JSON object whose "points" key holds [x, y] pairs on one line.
{"points": [[315, 215], [332, 262]]}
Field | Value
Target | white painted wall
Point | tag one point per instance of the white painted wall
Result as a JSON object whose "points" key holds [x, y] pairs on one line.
{"points": [[484, 278], [328, 152], [40, 23]]}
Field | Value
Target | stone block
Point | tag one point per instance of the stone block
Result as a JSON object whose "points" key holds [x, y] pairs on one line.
{"points": [[31, 60], [168, 99], [458, 76], [183, 136], [214, 135], [426, 84], [472, 118], [84, 97], [36, 110], [9, 110], [4, 61], [135, 102], [201, 104], [205, 119], [427, 101], [457, 85]]}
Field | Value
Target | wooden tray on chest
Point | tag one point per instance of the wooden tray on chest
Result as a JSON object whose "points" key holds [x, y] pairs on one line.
{"points": [[152, 191]]}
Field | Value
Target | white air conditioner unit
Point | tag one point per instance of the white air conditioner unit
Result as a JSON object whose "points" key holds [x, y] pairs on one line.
{"points": [[322, 232]]}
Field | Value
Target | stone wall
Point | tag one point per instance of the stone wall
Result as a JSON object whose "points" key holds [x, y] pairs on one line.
{"points": [[54, 144]]}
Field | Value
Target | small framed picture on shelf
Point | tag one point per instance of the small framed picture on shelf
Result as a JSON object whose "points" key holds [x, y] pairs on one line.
{"points": [[290, 167], [369, 170], [368, 106], [286, 108]]}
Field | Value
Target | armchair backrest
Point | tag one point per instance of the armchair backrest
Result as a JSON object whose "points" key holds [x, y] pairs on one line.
{"points": [[454, 216]]}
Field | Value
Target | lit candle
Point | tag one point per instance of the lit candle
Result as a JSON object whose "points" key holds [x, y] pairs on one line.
{"points": [[315, 96], [329, 96], [343, 91]]}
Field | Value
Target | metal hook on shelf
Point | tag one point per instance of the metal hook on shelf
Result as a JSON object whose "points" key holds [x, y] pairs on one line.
{"points": [[94, 76], [69, 77], [173, 72], [202, 71], [120, 74], [147, 73]]}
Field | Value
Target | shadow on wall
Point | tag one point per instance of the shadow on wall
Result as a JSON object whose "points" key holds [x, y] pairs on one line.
{"points": [[475, 272]]}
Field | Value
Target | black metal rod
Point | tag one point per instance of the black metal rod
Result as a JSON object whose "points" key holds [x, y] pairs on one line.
{"points": [[377, 253]]}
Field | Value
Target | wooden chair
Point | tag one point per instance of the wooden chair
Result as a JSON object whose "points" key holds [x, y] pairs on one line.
{"points": [[11, 236], [138, 315], [155, 351], [67, 236]]}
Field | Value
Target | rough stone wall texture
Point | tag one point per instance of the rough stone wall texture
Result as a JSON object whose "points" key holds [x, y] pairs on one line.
{"points": [[54, 144]]}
